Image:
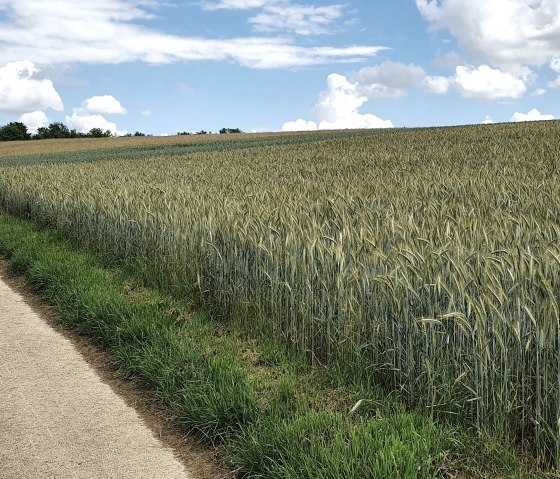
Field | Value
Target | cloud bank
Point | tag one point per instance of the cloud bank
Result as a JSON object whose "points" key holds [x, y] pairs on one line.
{"points": [[510, 37], [338, 106], [394, 79]]}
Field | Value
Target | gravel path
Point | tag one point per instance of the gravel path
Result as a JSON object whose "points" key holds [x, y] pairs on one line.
{"points": [[58, 419]]}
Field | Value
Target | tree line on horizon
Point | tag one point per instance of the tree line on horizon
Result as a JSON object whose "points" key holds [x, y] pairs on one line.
{"points": [[17, 131]]}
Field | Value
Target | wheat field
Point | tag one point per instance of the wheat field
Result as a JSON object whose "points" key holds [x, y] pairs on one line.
{"points": [[423, 261]]}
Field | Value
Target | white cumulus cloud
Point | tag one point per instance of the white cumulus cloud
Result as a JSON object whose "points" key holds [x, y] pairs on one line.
{"points": [[508, 33], [90, 115], [300, 125], [533, 115], [487, 83], [487, 120], [34, 120], [337, 109], [20, 92], [84, 123], [104, 105]]}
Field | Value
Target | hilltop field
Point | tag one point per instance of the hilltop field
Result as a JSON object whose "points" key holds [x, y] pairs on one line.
{"points": [[353, 304]]}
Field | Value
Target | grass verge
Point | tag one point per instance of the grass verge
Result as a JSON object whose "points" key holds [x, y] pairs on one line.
{"points": [[276, 416]]}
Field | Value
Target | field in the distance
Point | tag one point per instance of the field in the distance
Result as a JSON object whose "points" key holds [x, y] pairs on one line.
{"points": [[41, 151], [424, 261], [62, 145]]}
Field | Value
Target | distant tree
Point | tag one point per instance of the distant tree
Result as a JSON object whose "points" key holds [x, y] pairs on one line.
{"points": [[54, 130], [183, 133], [42, 133], [58, 130], [202, 132], [14, 131], [99, 133], [230, 130], [138, 133], [76, 134]]}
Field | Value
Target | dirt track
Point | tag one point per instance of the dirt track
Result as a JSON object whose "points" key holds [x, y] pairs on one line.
{"points": [[58, 419]]}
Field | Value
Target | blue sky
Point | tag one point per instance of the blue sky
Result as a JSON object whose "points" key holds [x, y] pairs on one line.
{"points": [[268, 65]]}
